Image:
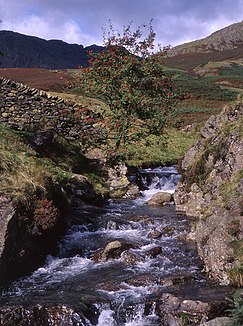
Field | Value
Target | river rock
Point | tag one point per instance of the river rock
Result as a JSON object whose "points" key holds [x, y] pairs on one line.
{"points": [[141, 218], [111, 225], [160, 199], [167, 231], [112, 250], [153, 252], [132, 192], [143, 280], [131, 258], [155, 234], [171, 280]]}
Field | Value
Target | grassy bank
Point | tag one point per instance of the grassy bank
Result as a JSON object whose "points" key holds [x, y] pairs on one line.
{"points": [[24, 171]]}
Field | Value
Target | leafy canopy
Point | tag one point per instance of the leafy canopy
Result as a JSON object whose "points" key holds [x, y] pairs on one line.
{"points": [[128, 76]]}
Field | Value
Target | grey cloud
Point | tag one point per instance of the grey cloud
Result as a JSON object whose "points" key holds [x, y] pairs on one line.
{"points": [[174, 20]]}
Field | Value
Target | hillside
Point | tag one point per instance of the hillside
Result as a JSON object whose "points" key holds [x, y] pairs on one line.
{"points": [[224, 44], [210, 190], [22, 51]]}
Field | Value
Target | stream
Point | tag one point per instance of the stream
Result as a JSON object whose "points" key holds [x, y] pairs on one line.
{"points": [[121, 290]]}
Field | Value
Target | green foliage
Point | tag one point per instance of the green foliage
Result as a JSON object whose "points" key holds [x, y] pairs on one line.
{"points": [[233, 70], [130, 79], [200, 87], [24, 172], [151, 150], [236, 311]]}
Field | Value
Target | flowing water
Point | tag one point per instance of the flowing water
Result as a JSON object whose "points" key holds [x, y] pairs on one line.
{"points": [[122, 290]]}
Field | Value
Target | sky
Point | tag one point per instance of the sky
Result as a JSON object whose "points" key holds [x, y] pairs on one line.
{"points": [[81, 21]]}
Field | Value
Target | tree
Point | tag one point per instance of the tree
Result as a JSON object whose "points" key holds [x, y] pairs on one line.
{"points": [[128, 76]]}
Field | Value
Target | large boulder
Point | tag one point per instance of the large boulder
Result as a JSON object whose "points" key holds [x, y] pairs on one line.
{"points": [[160, 198]]}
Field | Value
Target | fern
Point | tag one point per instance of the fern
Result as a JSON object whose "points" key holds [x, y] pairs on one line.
{"points": [[236, 311]]}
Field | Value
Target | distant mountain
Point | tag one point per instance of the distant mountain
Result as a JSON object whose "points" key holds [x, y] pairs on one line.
{"points": [[22, 51], [224, 44]]}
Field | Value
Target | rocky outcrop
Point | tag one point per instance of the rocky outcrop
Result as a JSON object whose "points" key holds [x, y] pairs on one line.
{"points": [[211, 190], [30, 231], [228, 38]]}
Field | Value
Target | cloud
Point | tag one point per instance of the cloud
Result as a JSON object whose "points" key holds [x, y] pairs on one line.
{"points": [[81, 21]]}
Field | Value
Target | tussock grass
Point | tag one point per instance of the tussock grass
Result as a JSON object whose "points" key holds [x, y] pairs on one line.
{"points": [[21, 170], [154, 151]]}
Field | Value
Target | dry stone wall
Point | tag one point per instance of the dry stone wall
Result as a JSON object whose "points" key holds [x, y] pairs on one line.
{"points": [[25, 108]]}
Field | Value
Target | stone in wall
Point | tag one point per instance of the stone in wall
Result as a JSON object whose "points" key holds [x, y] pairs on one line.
{"points": [[24, 108]]}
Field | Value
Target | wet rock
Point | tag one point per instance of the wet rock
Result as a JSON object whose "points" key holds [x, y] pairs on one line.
{"points": [[110, 286], [113, 250], [153, 252], [133, 191], [111, 225], [139, 218], [131, 258], [171, 280], [39, 315], [143, 280], [160, 199], [167, 231], [155, 234]]}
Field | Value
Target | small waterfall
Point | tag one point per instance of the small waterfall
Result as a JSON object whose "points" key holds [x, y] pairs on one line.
{"points": [[153, 180]]}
